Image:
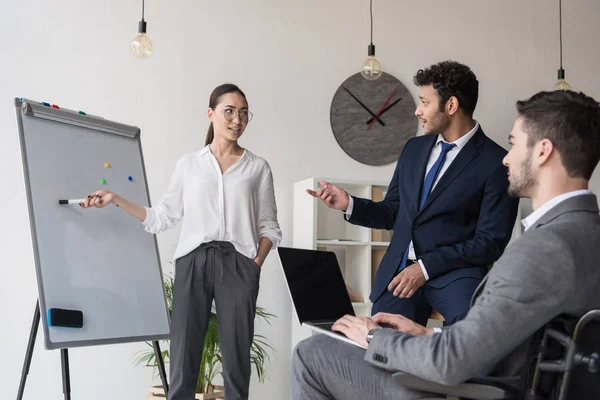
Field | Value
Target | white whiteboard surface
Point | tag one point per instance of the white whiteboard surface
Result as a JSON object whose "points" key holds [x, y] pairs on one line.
{"points": [[99, 261]]}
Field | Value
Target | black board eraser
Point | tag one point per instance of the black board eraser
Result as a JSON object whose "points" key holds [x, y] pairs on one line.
{"points": [[65, 318]]}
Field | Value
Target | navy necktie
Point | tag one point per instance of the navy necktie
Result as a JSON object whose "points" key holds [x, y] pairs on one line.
{"points": [[427, 185], [434, 172]]}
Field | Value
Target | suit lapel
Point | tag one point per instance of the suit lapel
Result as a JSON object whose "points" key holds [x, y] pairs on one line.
{"points": [[464, 158], [421, 167]]}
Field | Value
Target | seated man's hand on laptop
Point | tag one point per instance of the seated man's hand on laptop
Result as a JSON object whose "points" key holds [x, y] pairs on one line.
{"points": [[355, 328], [401, 323]]}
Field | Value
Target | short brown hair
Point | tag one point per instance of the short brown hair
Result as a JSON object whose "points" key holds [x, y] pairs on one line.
{"points": [[571, 121]]}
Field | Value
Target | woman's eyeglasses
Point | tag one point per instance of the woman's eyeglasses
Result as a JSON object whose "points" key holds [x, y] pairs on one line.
{"points": [[230, 114]]}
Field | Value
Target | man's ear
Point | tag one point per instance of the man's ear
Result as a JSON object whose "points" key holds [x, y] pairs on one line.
{"points": [[543, 150], [452, 105]]}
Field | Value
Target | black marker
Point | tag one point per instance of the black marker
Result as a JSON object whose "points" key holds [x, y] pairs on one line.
{"points": [[72, 201]]}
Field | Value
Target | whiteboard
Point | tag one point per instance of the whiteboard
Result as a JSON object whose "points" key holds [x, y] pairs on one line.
{"points": [[99, 261]]}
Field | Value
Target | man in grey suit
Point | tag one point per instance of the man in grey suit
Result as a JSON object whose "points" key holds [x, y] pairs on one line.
{"points": [[551, 269]]}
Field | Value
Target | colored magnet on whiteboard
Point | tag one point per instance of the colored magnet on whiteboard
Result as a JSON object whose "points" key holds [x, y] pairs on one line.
{"points": [[130, 178], [55, 106], [103, 181], [82, 113], [106, 165], [45, 104]]}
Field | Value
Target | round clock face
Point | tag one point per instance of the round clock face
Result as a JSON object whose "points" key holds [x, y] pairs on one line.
{"points": [[373, 120]]}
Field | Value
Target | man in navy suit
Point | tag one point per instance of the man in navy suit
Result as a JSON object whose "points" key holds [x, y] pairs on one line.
{"points": [[447, 204]]}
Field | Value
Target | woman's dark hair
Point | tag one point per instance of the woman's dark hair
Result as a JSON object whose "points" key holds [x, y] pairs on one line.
{"points": [[215, 96]]}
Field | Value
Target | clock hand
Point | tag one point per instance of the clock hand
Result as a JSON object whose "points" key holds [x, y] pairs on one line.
{"points": [[365, 107], [382, 107], [385, 109]]}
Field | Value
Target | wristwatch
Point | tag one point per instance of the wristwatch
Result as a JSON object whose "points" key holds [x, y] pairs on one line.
{"points": [[371, 333]]}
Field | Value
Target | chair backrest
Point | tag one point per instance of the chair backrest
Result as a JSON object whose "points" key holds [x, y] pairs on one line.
{"points": [[568, 363], [582, 379]]}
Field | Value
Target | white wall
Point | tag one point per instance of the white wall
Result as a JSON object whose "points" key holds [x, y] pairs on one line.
{"points": [[289, 57]]}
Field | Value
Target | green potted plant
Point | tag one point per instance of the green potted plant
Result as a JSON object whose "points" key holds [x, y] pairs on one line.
{"points": [[210, 366]]}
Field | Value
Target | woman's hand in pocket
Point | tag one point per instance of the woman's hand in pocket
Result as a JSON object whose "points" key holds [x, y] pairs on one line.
{"points": [[258, 261]]}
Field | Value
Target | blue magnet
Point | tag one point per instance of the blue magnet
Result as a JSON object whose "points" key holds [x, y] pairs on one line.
{"points": [[45, 104], [130, 178]]}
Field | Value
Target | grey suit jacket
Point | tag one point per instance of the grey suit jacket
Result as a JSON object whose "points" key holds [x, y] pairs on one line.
{"points": [[552, 269]]}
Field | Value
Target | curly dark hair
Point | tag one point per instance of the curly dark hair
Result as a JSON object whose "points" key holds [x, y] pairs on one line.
{"points": [[451, 78], [571, 121]]}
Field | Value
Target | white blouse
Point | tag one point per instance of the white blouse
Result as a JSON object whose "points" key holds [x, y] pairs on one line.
{"points": [[237, 206]]}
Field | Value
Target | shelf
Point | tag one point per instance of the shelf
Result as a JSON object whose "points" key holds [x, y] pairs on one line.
{"points": [[380, 244], [334, 242], [342, 243], [351, 182]]}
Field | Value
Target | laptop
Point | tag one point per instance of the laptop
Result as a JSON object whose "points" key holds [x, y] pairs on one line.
{"points": [[317, 289]]}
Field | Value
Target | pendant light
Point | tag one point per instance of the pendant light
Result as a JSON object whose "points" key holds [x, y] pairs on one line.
{"points": [[371, 68], [561, 84], [142, 45]]}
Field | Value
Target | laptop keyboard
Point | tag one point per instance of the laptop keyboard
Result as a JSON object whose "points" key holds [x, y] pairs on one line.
{"points": [[323, 325]]}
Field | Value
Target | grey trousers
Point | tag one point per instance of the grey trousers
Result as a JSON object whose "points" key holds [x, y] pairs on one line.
{"points": [[214, 270], [326, 368]]}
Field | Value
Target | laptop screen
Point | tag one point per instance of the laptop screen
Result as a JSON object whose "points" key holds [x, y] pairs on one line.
{"points": [[315, 283]]}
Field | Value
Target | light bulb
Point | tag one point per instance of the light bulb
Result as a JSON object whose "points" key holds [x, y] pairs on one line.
{"points": [[142, 45], [562, 85], [371, 69]]}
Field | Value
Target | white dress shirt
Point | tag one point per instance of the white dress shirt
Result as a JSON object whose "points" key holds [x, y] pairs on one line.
{"points": [[433, 156], [237, 206], [547, 206]]}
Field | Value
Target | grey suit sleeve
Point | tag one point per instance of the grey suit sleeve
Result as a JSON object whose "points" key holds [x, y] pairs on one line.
{"points": [[526, 289]]}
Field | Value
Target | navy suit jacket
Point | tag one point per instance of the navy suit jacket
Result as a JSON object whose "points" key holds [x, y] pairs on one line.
{"points": [[465, 223]]}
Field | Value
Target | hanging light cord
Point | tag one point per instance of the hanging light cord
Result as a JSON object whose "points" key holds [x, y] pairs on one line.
{"points": [[371, 12], [560, 29], [143, 1]]}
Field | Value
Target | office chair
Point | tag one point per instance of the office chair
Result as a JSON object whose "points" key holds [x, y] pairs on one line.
{"points": [[565, 356]]}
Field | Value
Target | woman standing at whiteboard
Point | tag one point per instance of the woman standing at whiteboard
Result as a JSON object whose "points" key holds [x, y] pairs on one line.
{"points": [[224, 194]]}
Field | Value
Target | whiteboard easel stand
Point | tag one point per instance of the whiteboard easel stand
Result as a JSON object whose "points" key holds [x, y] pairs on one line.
{"points": [[64, 361], [71, 117]]}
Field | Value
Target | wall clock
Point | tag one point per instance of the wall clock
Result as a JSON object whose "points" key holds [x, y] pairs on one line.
{"points": [[373, 120]]}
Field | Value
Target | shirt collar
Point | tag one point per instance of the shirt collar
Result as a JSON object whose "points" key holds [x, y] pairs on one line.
{"points": [[206, 150], [460, 142], [547, 206]]}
